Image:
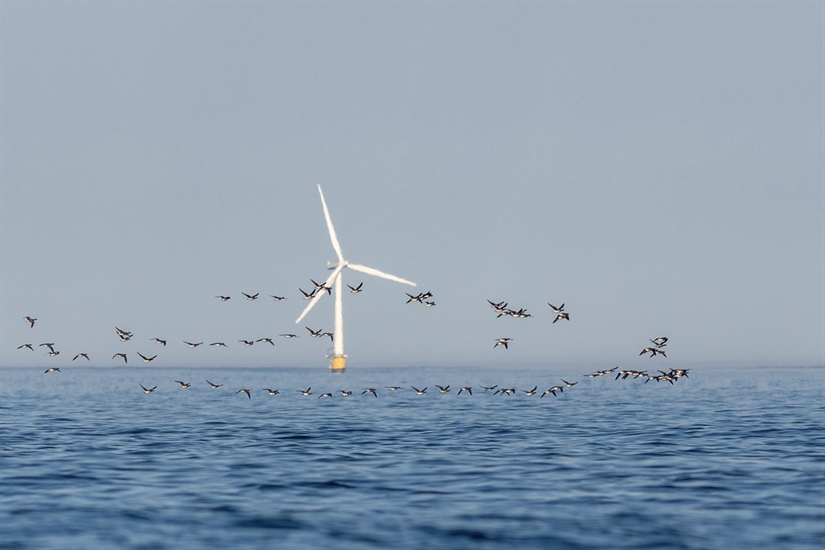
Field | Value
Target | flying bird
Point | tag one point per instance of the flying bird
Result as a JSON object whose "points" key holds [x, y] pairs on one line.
{"points": [[122, 356], [27, 346], [30, 320], [192, 345], [214, 386], [148, 390], [159, 342], [52, 369], [183, 385], [503, 342], [251, 297], [146, 359], [223, 298], [81, 355], [355, 289], [246, 391]]}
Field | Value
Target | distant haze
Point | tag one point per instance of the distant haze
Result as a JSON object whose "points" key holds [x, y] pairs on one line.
{"points": [[657, 167]]}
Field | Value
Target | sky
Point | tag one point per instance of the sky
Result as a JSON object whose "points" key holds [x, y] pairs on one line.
{"points": [[658, 167]]}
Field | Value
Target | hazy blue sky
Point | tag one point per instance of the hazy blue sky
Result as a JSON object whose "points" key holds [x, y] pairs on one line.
{"points": [[656, 166]]}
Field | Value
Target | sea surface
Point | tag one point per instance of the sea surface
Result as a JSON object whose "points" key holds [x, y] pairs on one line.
{"points": [[724, 458]]}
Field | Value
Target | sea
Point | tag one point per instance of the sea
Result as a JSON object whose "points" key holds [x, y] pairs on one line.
{"points": [[723, 458]]}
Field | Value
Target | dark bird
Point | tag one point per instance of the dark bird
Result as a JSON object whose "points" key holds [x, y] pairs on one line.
{"points": [[288, 336], [314, 333], [271, 391], [489, 388], [191, 345], [52, 369], [218, 344], [267, 340], [224, 298], [419, 392], [148, 390], [247, 342], [468, 389], [308, 295], [214, 386], [345, 393], [27, 346], [321, 286], [183, 385], [246, 391], [356, 289], [251, 297], [81, 355], [277, 298], [122, 356], [324, 395], [54, 353], [393, 388], [503, 342], [370, 390], [30, 320], [659, 342], [159, 342], [531, 392], [568, 384], [331, 336], [443, 389], [306, 392], [146, 359]]}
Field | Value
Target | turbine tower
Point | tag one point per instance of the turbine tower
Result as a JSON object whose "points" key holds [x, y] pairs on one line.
{"points": [[338, 361]]}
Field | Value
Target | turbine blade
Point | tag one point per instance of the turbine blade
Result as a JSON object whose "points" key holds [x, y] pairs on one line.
{"points": [[332, 236], [375, 272], [319, 293]]}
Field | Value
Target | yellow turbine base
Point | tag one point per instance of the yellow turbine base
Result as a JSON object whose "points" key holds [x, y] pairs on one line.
{"points": [[338, 363]]}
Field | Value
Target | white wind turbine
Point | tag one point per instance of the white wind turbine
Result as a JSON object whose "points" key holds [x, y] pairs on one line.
{"points": [[338, 361]]}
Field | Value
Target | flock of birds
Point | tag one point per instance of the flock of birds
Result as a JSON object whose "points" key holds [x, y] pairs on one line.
{"points": [[501, 308], [665, 376]]}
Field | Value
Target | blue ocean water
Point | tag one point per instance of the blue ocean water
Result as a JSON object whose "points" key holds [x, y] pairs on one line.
{"points": [[726, 458]]}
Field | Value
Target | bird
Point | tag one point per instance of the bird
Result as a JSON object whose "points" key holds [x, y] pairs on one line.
{"points": [[660, 342], [159, 342], [393, 388], [246, 391], [29, 319], [356, 289], [251, 297], [568, 384], [192, 345], [277, 298], [267, 340], [551, 390], [183, 385], [503, 342], [345, 393], [530, 392], [325, 395], [505, 391], [443, 389], [468, 389], [223, 298], [52, 369], [146, 359], [653, 352], [314, 333], [122, 356], [308, 295], [214, 386], [124, 335], [370, 390], [27, 346], [331, 335], [271, 391], [247, 343], [218, 344], [306, 392], [418, 298], [559, 311], [419, 392], [429, 304], [54, 353], [81, 355], [489, 388], [148, 390], [289, 336], [321, 286]]}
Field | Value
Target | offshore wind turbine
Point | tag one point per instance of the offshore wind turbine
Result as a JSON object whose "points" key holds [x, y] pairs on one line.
{"points": [[338, 360]]}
